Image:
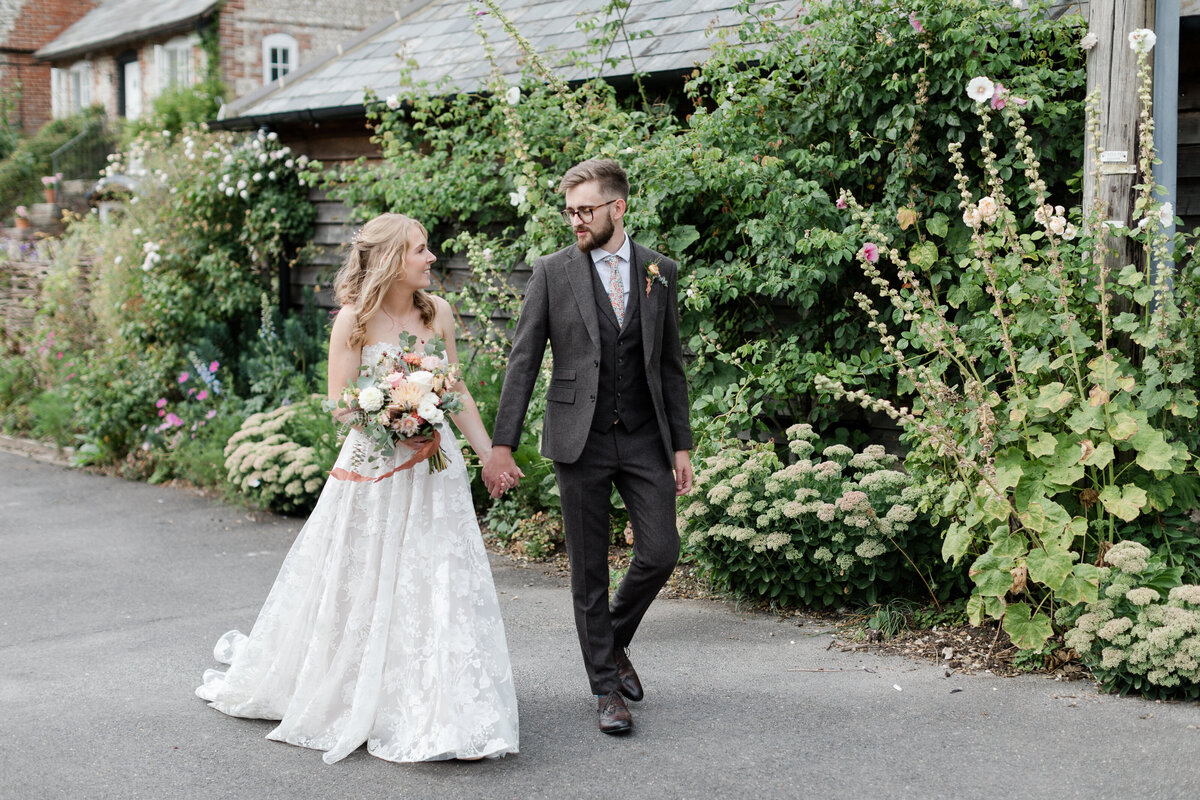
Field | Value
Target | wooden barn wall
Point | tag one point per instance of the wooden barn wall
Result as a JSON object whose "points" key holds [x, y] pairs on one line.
{"points": [[1188, 189]]}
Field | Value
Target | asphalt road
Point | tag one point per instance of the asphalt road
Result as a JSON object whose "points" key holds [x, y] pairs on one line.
{"points": [[113, 593]]}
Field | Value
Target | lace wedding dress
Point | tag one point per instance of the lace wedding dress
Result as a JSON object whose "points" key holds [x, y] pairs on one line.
{"points": [[383, 625]]}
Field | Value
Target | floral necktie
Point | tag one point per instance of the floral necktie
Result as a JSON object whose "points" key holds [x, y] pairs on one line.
{"points": [[616, 289]]}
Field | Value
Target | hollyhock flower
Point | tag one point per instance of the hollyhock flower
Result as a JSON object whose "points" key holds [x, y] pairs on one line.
{"points": [[162, 402], [214, 366], [1166, 215], [1069, 232], [1000, 97], [972, 217], [173, 420], [1089, 41], [1057, 226], [916, 23], [841, 202], [988, 209], [513, 95], [203, 395], [212, 412], [183, 376], [393, 102], [980, 89], [870, 251], [1142, 40]]}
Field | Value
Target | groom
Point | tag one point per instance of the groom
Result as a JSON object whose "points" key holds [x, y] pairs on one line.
{"points": [[616, 415]]}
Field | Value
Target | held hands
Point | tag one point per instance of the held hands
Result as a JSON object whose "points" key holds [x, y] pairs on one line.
{"points": [[500, 472]]}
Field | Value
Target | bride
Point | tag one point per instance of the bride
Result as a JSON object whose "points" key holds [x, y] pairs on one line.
{"points": [[383, 625]]}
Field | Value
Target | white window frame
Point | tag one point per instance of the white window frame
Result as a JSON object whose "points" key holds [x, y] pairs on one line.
{"points": [[175, 62], [60, 99], [80, 84], [283, 44]]}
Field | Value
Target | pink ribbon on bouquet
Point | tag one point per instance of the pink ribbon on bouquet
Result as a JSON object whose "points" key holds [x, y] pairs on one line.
{"points": [[423, 453]]}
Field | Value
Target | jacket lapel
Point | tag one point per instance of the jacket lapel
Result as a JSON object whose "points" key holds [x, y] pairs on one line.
{"points": [[579, 275], [647, 308]]}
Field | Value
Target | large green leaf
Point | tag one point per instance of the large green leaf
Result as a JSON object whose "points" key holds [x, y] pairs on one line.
{"points": [[992, 574], [1153, 452], [1027, 630], [1103, 371], [956, 542], [1086, 418], [1049, 567], [1052, 397], [1125, 501], [1101, 457], [1081, 586], [1044, 444], [923, 254], [1122, 426]]}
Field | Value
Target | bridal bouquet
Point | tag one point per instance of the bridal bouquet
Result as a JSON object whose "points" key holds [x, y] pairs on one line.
{"points": [[401, 397]]}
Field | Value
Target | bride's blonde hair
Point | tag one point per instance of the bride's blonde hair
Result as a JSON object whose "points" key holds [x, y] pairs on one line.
{"points": [[370, 268]]}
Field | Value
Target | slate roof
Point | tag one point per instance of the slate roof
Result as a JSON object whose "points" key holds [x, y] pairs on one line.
{"points": [[117, 21], [440, 36]]}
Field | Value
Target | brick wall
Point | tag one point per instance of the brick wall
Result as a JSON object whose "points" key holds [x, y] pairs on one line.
{"points": [[317, 25], [26, 26]]}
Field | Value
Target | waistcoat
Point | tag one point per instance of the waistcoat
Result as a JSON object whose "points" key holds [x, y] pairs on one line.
{"points": [[623, 395]]}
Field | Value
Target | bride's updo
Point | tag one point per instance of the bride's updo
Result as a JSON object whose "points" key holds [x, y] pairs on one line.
{"points": [[375, 259]]}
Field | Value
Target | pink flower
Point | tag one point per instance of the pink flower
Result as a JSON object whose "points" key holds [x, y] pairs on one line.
{"points": [[203, 395], [870, 251], [59, 356], [211, 413], [841, 202], [916, 23], [173, 420], [191, 391], [213, 366], [162, 402], [394, 379], [162, 413], [1000, 98], [183, 376]]}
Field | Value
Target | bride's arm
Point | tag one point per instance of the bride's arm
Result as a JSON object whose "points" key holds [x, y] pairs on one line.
{"points": [[344, 360], [468, 420]]}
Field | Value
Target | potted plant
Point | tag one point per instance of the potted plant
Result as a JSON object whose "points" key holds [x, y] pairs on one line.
{"points": [[50, 184], [22, 216]]}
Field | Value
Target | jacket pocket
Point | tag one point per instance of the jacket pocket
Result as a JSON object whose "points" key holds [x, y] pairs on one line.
{"points": [[563, 375], [560, 394]]}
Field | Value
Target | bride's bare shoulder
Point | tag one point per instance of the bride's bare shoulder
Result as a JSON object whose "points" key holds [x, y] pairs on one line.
{"points": [[343, 324]]}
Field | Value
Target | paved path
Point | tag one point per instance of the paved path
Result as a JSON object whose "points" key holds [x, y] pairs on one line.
{"points": [[112, 594]]}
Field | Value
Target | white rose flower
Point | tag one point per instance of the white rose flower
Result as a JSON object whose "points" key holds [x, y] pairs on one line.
{"points": [[371, 399], [422, 378], [1089, 41], [513, 95], [1142, 40], [393, 102], [980, 89], [430, 362], [428, 410]]}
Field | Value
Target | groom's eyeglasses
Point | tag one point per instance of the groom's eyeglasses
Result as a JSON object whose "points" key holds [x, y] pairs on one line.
{"points": [[584, 213]]}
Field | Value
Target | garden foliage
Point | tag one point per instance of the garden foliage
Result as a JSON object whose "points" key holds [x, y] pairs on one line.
{"points": [[1062, 420], [826, 529]]}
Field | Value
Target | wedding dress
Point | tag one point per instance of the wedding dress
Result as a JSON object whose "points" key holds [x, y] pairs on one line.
{"points": [[383, 625]]}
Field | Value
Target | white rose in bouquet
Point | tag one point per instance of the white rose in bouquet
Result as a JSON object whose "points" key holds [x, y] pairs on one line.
{"points": [[429, 410], [422, 378]]}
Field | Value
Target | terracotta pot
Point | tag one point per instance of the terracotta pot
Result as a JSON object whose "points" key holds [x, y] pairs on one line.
{"points": [[22, 222], [50, 195]]}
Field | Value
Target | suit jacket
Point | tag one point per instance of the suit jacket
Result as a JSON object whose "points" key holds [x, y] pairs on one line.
{"points": [[560, 308]]}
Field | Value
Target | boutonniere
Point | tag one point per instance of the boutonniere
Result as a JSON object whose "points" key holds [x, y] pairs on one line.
{"points": [[653, 276]]}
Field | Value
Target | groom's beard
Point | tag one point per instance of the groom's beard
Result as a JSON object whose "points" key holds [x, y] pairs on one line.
{"points": [[600, 232]]}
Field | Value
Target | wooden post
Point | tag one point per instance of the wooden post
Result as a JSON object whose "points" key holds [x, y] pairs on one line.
{"points": [[1112, 68]]}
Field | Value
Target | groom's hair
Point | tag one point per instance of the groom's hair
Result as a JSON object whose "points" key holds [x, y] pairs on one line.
{"points": [[611, 177]]}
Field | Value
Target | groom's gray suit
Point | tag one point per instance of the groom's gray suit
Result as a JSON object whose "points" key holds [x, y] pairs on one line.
{"points": [[616, 413]]}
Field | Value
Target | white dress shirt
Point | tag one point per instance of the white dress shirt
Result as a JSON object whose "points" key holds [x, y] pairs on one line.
{"points": [[622, 267]]}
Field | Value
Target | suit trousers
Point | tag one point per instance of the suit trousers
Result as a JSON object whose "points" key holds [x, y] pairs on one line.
{"points": [[635, 463]]}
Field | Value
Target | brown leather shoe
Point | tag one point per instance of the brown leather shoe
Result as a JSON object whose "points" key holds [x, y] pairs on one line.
{"points": [[631, 687], [614, 716]]}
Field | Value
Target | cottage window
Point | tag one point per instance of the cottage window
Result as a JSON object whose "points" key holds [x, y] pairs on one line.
{"points": [[280, 52], [174, 61], [70, 89]]}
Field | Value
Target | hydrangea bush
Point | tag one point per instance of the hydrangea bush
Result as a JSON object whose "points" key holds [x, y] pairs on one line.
{"points": [[827, 529], [1143, 633], [279, 459]]}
